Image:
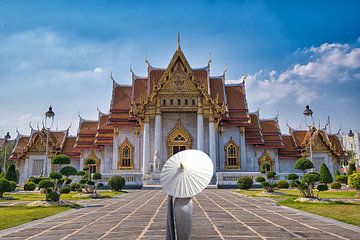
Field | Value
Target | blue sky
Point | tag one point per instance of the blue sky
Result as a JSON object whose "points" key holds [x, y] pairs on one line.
{"points": [[295, 53]]}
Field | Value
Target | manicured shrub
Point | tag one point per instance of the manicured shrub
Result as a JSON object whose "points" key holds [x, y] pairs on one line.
{"points": [[311, 178], [117, 183], [5, 186], [68, 171], [55, 176], [268, 187], [354, 181], [46, 184], [89, 161], [29, 186], [282, 184], [81, 173], [60, 159], [75, 186], [352, 168], [342, 179], [335, 185], [65, 190], [97, 176], [245, 182], [265, 167], [13, 185], [303, 164], [322, 187], [292, 176], [83, 181], [271, 175], [260, 179], [91, 183], [337, 172], [36, 180], [100, 185], [10, 173], [52, 196], [325, 175], [68, 181]]}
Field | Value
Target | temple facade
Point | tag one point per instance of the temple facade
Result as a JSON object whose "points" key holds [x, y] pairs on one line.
{"points": [[170, 110]]}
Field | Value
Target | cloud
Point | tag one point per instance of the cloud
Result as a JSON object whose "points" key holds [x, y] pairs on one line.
{"points": [[305, 82], [98, 70]]}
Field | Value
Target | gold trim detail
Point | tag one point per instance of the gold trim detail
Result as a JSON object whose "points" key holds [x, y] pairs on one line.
{"points": [[178, 136], [232, 152], [126, 156]]}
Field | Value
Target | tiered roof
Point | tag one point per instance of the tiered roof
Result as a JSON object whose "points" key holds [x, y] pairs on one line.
{"points": [[59, 142]]}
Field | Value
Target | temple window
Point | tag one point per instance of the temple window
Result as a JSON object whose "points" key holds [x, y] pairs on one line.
{"points": [[186, 102], [193, 102], [171, 102], [232, 155], [126, 156], [164, 102], [266, 163], [179, 102]]}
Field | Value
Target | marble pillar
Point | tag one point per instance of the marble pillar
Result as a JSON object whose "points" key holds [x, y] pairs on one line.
{"points": [[200, 132], [146, 146], [158, 137], [212, 145], [242, 149]]}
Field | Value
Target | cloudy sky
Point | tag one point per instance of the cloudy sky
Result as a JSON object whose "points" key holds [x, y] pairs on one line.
{"points": [[295, 53]]}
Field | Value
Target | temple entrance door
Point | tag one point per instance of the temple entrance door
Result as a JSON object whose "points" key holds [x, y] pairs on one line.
{"points": [[177, 149]]}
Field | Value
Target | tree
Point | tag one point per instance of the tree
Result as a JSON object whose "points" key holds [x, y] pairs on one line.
{"points": [[60, 159], [5, 186], [47, 185], [96, 177], [325, 175], [88, 162], [307, 184], [10, 173], [67, 172], [352, 168], [303, 164], [354, 181]]}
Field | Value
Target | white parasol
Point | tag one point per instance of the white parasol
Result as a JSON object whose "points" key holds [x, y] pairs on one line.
{"points": [[186, 173]]}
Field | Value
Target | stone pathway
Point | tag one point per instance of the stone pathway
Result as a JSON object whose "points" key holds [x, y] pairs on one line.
{"points": [[218, 214]]}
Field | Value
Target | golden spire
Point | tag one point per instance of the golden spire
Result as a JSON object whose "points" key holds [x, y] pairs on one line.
{"points": [[178, 48]]}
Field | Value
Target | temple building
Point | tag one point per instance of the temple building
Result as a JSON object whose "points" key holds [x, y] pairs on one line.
{"points": [[170, 110]]}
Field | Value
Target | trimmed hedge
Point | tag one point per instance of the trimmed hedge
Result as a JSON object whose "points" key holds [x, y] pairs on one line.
{"points": [[335, 185], [65, 190], [75, 186], [245, 182], [29, 186], [282, 184], [260, 179], [116, 183]]}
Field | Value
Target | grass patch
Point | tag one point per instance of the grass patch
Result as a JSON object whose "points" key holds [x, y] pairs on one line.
{"points": [[11, 216], [344, 212], [67, 196]]}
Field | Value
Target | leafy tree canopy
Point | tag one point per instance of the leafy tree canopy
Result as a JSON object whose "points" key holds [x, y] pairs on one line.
{"points": [[325, 175], [303, 164], [68, 171], [60, 159]]}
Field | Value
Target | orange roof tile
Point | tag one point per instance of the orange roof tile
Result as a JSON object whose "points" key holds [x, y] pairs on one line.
{"points": [[290, 150], [154, 77], [70, 150], [217, 88], [139, 89], [202, 76], [253, 133], [104, 134], [86, 134], [271, 133], [236, 102]]}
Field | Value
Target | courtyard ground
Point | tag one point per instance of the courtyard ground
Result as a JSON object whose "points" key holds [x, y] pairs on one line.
{"points": [[218, 214]]}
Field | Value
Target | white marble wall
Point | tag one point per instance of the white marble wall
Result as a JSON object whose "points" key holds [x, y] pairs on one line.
{"points": [[228, 133]]}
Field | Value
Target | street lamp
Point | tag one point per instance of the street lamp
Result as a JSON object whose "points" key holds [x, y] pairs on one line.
{"points": [[49, 121], [308, 113], [7, 138], [351, 134]]}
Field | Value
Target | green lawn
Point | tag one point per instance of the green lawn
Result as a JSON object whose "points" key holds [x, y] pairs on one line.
{"points": [[68, 196], [345, 212], [11, 216]]}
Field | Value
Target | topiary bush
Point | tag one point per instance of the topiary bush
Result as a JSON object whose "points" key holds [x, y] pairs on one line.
{"points": [[117, 183], [282, 184], [75, 186], [325, 175], [52, 196], [10, 173], [354, 181], [268, 186], [292, 176], [303, 164], [65, 190], [83, 181], [36, 180], [342, 179], [29, 186], [5, 186], [322, 187], [100, 185], [335, 185], [245, 182], [260, 179], [60, 159], [294, 183], [46, 185], [271, 175], [13, 185]]}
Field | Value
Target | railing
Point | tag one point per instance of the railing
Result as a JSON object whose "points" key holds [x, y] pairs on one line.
{"points": [[231, 178], [132, 179]]}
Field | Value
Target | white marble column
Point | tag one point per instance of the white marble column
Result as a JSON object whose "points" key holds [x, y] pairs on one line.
{"points": [[212, 145], [158, 136], [115, 157], [146, 146], [137, 149], [242, 149], [200, 132]]}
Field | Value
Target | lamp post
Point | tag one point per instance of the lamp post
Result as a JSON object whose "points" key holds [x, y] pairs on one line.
{"points": [[49, 121], [7, 138], [308, 113]]}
